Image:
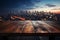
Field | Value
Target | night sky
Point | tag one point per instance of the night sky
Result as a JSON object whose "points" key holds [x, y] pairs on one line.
{"points": [[32, 5]]}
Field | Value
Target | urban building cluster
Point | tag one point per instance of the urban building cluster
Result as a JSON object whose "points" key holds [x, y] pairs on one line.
{"points": [[28, 15]]}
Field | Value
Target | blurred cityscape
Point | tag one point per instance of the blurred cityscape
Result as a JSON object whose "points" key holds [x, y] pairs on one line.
{"points": [[30, 22], [28, 15], [20, 18]]}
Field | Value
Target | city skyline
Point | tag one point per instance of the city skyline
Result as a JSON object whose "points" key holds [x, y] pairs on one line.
{"points": [[30, 5]]}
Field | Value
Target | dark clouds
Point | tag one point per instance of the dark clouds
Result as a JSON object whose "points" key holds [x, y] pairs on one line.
{"points": [[7, 5], [50, 5], [17, 3]]}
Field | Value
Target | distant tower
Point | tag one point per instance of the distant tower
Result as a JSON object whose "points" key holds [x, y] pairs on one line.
{"points": [[29, 12], [35, 11], [26, 11]]}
